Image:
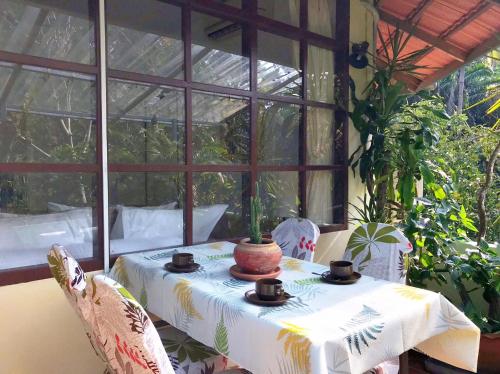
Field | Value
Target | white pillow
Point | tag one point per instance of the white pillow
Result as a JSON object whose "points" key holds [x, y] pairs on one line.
{"points": [[56, 207], [146, 223], [117, 231], [8, 215], [43, 230], [141, 223], [204, 220]]}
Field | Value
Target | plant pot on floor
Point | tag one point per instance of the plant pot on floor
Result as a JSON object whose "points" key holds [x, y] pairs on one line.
{"points": [[257, 258]]}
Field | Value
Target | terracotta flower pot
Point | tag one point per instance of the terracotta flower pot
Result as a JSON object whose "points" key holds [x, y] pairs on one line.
{"points": [[489, 354], [257, 258]]}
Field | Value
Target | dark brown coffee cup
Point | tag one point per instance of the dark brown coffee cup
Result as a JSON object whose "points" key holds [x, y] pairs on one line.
{"points": [[183, 260], [341, 269], [269, 289]]}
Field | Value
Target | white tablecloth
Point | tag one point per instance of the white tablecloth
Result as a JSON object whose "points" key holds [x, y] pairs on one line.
{"points": [[324, 329]]}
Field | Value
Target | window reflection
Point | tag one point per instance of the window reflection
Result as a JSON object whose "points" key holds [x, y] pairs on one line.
{"points": [[279, 192], [278, 65], [278, 133], [46, 115], [221, 205], [147, 42], [62, 30], [40, 209], [145, 123], [217, 52], [221, 129], [146, 211]]}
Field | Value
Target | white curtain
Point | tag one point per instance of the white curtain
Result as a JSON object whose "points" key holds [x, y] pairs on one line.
{"points": [[320, 121]]}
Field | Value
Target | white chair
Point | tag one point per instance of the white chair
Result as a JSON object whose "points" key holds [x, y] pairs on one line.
{"points": [[379, 250], [121, 332], [297, 238]]}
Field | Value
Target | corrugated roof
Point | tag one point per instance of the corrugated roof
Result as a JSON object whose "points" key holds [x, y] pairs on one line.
{"points": [[459, 31]]}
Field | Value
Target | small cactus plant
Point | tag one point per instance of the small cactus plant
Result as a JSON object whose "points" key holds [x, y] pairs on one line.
{"points": [[255, 217]]}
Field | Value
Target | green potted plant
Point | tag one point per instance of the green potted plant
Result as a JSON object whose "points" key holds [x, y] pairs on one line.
{"points": [[257, 255]]}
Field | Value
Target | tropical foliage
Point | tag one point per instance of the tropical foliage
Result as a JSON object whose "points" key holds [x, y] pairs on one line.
{"points": [[425, 139]]}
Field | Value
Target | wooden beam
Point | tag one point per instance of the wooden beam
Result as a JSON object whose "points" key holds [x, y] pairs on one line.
{"points": [[479, 51], [467, 18], [448, 48]]}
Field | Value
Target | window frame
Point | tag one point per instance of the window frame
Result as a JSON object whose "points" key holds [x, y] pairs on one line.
{"points": [[252, 23]]}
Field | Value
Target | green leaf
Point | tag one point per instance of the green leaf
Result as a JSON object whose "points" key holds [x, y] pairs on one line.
{"points": [[221, 341], [388, 239], [439, 193]]}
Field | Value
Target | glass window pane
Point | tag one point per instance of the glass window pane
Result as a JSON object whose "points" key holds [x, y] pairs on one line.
{"points": [[320, 133], [40, 209], [278, 65], [279, 192], [47, 115], [279, 10], [62, 30], [325, 197], [221, 205], [322, 15], [145, 123], [320, 74], [278, 133], [149, 44], [217, 52], [145, 211], [221, 129]]}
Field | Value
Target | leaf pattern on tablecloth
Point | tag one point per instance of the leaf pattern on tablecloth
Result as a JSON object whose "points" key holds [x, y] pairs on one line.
{"points": [[235, 283], [362, 328], [119, 272], [308, 281], [415, 294], [297, 344], [221, 343], [217, 245], [161, 255], [220, 257], [290, 305], [221, 303], [292, 264], [185, 298]]}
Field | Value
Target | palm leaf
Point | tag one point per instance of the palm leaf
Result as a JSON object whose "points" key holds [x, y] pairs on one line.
{"points": [[185, 298], [297, 345], [138, 319], [361, 330], [221, 341]]}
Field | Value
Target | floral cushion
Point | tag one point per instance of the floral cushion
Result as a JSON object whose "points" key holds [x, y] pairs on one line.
{"points": [[297, 237], [73, 282], [121, 332], [378, 250], [125, 333]]}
